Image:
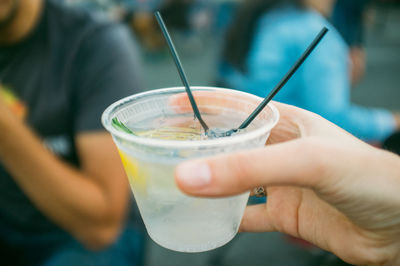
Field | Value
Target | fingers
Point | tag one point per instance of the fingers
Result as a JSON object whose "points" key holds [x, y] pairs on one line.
{"points": [[281, 213], [298, 123], [298, 163], [256, 219], [294, 122], [213, 102]]}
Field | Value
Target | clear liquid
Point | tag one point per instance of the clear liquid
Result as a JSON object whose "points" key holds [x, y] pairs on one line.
{"points": [[173, 219], [186, 127], [177, 221]]}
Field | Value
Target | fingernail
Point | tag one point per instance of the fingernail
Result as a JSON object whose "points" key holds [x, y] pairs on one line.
{"points": [[194, 174]]}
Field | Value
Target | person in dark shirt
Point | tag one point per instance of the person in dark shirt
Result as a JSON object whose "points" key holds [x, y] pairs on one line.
{"points": [[63, 194], [262, 44], [347, 17]]}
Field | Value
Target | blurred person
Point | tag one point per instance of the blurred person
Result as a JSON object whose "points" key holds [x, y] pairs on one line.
{"points": [[190, 21], [176, 13], [141, 19], [146, 28], [392, 143], [190, 18], [265, 40], [187, 15], [224, 10], [348, 19], [323, 185], [63, 193]]}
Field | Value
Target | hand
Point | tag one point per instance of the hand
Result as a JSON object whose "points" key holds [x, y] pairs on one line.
{"points": [[323, 185]]}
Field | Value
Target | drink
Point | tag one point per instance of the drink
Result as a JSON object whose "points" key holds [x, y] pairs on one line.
{"points": [[169, 214], [166, 134]]}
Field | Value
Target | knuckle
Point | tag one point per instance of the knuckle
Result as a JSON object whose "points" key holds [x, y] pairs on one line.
{"points": [[316, 154], [240, 164]]}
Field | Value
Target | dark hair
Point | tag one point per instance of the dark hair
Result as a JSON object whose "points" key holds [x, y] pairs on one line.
{"points": [[241, 31]]}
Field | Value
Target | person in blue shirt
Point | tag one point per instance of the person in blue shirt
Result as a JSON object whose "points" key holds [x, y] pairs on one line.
{"points": [[265, 40], [348, 18]]}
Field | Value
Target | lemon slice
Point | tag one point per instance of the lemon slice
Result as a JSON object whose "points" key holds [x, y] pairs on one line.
{"points": [[136, 176], [172, 133]]}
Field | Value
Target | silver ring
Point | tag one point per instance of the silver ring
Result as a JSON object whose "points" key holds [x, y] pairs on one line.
{"points": [[259, 192]]}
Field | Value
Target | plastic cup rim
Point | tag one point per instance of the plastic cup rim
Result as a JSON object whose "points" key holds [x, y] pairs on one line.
{"points": [[182, 144]]}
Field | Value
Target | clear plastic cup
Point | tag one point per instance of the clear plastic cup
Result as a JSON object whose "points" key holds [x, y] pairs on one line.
{"points": [[174, 220]]}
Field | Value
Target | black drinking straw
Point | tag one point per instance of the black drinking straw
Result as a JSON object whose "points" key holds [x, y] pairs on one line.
{"points": [[180, 69], [285, 79]]}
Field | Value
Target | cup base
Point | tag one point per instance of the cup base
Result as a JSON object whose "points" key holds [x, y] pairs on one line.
{"points": [[193, 248]]}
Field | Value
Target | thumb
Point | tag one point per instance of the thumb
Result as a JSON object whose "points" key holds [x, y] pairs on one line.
{"points": [[299, 162]]}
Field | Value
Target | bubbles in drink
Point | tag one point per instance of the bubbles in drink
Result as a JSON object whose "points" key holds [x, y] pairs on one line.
{"points": [[183, 128], [169, 214]]}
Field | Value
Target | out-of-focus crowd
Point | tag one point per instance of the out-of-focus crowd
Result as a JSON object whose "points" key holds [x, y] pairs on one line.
{"points": [[61, 65]]}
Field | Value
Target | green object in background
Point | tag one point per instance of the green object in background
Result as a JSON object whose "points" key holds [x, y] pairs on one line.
{"points": [[120, 126]]}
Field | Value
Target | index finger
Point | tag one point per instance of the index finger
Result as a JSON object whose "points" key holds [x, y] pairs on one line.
{"points": [[295, 163]]}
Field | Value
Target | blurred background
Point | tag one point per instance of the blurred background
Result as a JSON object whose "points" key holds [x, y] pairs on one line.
{"points": [[198, 28]]}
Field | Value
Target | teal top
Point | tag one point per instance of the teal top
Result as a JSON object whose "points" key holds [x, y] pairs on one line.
{"points": [[322, 83]]}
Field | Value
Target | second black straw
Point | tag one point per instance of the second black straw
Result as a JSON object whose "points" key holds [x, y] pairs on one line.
{"points": [[286, 78]]}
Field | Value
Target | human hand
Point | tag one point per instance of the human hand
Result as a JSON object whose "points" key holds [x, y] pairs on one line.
{"points": [[323, 185]]}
